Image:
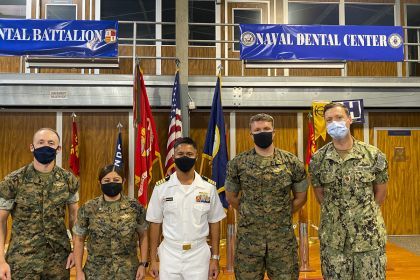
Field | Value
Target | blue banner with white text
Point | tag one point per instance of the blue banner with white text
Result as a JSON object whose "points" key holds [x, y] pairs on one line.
{"points": [[321, 42], [61, 38]]}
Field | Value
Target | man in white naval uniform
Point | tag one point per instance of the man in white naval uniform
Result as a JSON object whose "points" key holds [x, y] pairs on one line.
{"points": [[187, 205]]}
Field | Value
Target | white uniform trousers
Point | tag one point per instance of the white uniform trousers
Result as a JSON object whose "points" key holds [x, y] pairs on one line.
{"points": [[179, 264]]}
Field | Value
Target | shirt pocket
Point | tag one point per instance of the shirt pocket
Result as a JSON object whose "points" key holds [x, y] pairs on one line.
{"points": [[327, 178], [200, 212], [365, 176], [57, 198], [170, 209], [28, 206]]}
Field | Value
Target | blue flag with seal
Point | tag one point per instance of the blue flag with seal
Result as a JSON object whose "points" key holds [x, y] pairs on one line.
{"points": [[321, 42], [215, 147], [118, 157], [59, 38]]}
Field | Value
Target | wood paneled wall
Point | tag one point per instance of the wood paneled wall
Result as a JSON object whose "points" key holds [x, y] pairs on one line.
{"points": [[16, 134], [371, 69], [9, 64], [126, 64], [97, 134], [285, 137], [401, 208], [315, 72]]}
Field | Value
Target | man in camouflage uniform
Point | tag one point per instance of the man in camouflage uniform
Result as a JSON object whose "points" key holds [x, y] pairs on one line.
{"points": [[36, 195], [259, 184], [349, 178]]}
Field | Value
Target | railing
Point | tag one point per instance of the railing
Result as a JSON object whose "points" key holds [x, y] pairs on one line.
{"points": [[411, 49], [409, 55]]}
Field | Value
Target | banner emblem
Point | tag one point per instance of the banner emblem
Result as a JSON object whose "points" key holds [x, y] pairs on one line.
{"points": [[395, 40], [248, 39]]}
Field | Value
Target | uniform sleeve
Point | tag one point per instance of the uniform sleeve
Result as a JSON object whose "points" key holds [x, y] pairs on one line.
{"points": [[216, 213], [232, 182], [155, 209], [8, 189], [142, 224], [74, 184], [300, 184], [314, 174], [82, 223], [381, 169]]}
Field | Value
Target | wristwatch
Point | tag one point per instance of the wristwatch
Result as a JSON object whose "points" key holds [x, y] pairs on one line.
{"points": [[215, 257], [145, 264]]}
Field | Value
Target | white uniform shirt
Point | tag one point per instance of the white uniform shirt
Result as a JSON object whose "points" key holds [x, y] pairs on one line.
{"points": [[185, 214]]}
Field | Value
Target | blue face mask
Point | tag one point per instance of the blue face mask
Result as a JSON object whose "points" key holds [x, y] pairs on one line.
{"points": [[45, 154], [337, 130]]}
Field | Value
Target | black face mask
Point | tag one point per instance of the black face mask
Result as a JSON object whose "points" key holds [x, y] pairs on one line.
{"points": [[263, 139], [45, 154], [111, 189], [185, 163]]}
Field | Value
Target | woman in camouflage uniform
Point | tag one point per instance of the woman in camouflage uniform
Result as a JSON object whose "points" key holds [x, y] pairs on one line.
{"points": [[112, 224]]}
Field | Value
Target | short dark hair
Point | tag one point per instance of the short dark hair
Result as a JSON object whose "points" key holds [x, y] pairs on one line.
{"points": [[185, 140], [108, 169], [334, 105]]}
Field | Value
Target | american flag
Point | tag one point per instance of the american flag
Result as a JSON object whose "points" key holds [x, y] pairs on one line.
{"points": [[175, 126]]}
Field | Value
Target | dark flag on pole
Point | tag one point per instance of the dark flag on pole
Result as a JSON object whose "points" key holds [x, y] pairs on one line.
{"points": [[215, 148], [118, 157]]}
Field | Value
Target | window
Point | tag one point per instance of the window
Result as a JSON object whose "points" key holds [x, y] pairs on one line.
{"points": [[362, 14], [413, 36], [57, 11], [168, 15], [12, 8], [200, 11], [131, 10], [244, 16], [310, 13]]}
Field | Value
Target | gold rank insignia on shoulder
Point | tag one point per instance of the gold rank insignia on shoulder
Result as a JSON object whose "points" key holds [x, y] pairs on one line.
{"points": [[209, 180], [160, 182]]}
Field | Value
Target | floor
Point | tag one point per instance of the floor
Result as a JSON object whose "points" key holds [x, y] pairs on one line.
{"points": [[402, 264]]}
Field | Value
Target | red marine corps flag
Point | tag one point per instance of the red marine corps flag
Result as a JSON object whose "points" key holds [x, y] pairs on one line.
{"points": [[311, 144], [74, 149], [147, 147]]}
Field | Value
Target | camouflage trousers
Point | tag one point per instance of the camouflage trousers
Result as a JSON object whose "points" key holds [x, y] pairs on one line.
{"points": [[51, 266], [276, 254], [111, 267], [346, 265]]}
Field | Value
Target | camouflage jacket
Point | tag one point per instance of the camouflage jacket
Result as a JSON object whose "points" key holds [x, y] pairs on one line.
{"points": [[112, 231], [265, 186], [38, 208], [349, 213]]}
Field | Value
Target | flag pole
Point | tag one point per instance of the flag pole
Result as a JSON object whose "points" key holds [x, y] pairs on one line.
{"points": [[304, 221], [73, 116], [202, 164], [119, 126], [161, 168]]}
